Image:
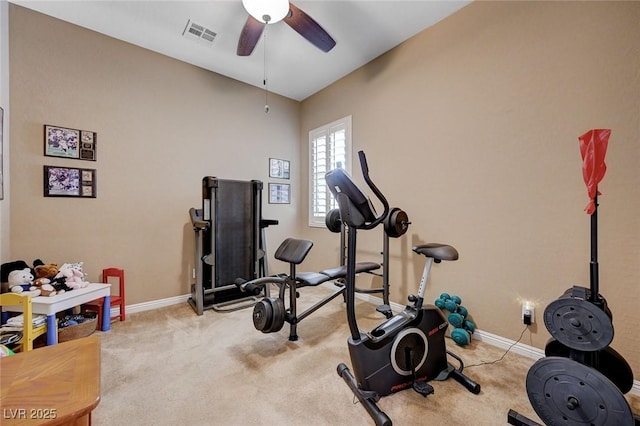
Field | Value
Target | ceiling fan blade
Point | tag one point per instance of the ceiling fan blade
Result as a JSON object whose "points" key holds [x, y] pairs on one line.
{"points": [[249, 36], [309, 29]]}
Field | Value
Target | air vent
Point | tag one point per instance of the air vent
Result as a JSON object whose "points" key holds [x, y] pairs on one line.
{"points": [[199, 32]]}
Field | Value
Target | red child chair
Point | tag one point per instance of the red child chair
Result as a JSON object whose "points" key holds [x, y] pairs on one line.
{"points": [[116, 299]]}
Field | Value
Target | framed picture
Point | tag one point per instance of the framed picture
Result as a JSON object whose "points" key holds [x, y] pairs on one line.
{"points": [[279, 193], [69, 182], [1, 150], [88, 145], [279, 168], [69, 143]]}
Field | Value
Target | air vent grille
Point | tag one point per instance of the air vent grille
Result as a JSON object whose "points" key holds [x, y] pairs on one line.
{"points": [[199, 32]]}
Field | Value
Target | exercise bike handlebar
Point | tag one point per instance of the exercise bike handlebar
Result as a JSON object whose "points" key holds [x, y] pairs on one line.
{"points": [[376, 191]]}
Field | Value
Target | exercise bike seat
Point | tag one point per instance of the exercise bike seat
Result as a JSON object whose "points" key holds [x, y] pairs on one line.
{"points": [[316, 278], [437, 251]]}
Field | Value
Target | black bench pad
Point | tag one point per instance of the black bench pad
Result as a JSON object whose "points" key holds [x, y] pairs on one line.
{"points": [[341, 271], [316, 278]]}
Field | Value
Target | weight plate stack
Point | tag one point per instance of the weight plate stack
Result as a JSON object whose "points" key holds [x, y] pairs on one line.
{"points": [[565, 392]]}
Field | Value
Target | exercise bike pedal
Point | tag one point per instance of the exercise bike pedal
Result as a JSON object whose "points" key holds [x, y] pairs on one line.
{"points": [[385, 310], [423, 388]]}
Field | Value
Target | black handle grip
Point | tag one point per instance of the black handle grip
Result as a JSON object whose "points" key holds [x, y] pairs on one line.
{"points": [[376, 191], [248, 287], [471, 386], [363, 163], [252, 289]]}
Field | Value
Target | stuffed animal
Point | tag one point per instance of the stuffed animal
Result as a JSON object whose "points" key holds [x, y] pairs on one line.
{"points": [[47, 270], [5, 269], [73, 276], [45, 287], [20, 281], [59, 285]]}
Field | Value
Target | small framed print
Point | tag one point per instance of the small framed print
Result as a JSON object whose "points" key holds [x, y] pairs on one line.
{"points": [[86, 137], [69, 182], [279, 168], [88, 145], [279, 193], [69, 143]]}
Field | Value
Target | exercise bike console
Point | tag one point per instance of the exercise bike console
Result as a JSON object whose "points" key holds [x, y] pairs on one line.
{"points": [[392, 325]]}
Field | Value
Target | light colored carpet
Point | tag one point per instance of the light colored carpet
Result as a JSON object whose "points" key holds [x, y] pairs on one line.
{"points": [[171, 367]]}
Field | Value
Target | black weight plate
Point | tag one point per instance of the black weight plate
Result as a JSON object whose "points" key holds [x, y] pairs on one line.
{"points": [[397, 223], [277, 306], [333, 221], [610, 363], [565, 392], [263, 315], [578, 324]]}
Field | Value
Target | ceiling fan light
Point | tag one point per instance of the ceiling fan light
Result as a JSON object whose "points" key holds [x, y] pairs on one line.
{"points": [[267, 11]]}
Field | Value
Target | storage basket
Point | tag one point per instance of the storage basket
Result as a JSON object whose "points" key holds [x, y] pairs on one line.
{"points": [[78, 331]]}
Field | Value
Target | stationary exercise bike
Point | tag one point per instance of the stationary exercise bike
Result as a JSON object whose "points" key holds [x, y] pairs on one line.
{"points": [[408, 349]]}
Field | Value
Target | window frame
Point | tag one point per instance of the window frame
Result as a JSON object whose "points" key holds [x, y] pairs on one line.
{"points": [[326, 130]]}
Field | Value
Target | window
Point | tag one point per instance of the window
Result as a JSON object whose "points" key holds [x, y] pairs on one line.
{"points": [[329, 148]]}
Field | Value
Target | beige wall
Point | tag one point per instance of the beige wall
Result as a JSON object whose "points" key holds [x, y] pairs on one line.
{"points": [[4, 103], [162, 125], [471, 127]]}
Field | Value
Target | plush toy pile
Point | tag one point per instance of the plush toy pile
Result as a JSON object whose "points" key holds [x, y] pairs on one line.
{"points": [[463, 327], [44, 279]]}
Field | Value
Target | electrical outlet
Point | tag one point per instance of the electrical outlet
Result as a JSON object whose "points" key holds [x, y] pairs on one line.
{"points": [[528, 313]]}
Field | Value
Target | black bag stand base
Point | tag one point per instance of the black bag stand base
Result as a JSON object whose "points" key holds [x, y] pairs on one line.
{"points": [[517, 419]]}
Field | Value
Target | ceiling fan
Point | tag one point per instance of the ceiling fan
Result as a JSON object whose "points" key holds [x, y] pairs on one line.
{"points": [[264, 12]]}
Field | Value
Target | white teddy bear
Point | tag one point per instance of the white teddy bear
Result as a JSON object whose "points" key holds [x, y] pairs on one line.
{"points": [[20, 281]]}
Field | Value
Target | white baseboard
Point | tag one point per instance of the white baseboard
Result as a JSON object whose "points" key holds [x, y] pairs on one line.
{"points": [[501, 342], [482, 336], [154, 304]]}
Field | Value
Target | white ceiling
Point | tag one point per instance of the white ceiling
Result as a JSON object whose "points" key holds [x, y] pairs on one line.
{"points": [[363, 30]]}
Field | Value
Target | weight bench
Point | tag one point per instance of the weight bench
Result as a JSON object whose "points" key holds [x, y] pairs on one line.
{"points": [[270, 314]]}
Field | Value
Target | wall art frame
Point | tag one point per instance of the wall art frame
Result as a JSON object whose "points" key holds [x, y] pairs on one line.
{"points": [[69, 143], [279, 193], [69, 182], [280, 169]]}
